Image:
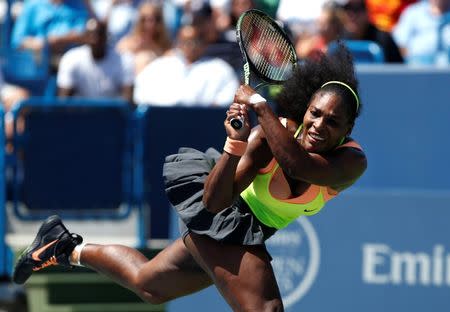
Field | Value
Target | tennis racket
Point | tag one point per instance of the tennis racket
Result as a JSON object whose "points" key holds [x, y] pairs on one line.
{"points": [[266, 51]]}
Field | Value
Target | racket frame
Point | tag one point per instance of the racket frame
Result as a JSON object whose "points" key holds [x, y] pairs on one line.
{"points": [[248, 65]]}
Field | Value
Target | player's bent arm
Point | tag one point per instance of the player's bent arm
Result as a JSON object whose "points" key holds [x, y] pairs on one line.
{"points": [[218, 190], [257, 156], [337, 169], [231, 175]]}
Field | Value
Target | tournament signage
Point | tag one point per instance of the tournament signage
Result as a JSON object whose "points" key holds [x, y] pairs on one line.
{"points": [[296, 260], [382, 250], [366, 251]]}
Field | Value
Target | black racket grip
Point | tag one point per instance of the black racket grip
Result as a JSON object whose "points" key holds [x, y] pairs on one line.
{"points": [[237, 123]]}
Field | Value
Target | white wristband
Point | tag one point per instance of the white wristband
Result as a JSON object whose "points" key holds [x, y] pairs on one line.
{"points": [[256, 98]]}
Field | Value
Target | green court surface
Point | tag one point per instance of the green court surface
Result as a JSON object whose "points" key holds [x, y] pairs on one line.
{"points": [[81, 290]]}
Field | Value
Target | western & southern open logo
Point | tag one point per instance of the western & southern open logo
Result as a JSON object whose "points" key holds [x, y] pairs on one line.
{"points": [[296, 259]]}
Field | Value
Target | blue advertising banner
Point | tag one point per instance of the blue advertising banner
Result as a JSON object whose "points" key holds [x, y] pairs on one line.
{"points": [[380, 250]]}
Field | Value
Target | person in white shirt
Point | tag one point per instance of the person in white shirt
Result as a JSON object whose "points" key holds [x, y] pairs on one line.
{"points": [[198, 81], [418, 35], [95, 70]]}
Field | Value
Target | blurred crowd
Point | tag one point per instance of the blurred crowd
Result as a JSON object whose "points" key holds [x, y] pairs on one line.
{"points": [[184, 52]]}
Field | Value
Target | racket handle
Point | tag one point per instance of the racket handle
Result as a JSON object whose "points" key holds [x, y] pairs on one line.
{"points": [[237, 123]]}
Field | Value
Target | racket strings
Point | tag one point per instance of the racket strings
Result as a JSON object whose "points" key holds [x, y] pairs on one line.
{"points": [[269, 37], [279, 71], [269, 51]]}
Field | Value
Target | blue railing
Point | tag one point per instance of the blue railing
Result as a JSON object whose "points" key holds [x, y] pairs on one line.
{"points": [[72, 156], [3, 247]]}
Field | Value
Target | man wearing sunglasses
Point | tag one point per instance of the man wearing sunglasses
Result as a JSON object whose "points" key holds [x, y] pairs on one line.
{"points": [[358, 27]]}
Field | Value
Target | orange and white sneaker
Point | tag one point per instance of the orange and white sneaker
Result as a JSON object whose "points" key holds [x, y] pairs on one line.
{"points": [[52, 246]]}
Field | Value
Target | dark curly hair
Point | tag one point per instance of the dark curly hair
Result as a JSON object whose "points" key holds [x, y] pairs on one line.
{"points": [[308, 78]]}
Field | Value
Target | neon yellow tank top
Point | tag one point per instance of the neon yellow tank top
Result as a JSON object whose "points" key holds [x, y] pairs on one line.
{"points": [[278, 213]]}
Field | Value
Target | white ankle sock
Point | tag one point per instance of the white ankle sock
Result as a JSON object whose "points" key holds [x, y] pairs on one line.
{"points": [[76, 255]]}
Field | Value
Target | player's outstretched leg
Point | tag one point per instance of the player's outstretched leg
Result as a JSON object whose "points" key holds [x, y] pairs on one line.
{"points": [[52, 246], [170, 274]]}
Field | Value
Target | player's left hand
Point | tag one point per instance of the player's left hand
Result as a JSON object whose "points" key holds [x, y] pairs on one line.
{"points": [[246, 95], [237, 111]]}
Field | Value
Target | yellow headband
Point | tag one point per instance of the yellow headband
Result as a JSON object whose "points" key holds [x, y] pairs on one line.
{"points": [[345, 85]]}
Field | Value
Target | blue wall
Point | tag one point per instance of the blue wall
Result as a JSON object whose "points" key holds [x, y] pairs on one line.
{"points": [[404, 128]]}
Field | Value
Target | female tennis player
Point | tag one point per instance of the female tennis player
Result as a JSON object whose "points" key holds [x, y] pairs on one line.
{"points": [[230, 203]]}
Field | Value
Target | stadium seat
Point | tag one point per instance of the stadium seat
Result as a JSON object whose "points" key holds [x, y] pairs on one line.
{"points": [[27, 69], [74, 158], [164, 130], [363, 51]]}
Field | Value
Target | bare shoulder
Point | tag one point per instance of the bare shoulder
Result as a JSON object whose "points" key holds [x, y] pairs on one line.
{"points": [[351, 150], [352, 160]]}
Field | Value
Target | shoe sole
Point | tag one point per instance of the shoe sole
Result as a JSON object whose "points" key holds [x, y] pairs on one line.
{"points": [[25, 263]]}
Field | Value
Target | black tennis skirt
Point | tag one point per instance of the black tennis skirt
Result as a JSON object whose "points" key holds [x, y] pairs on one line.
{"points": [[184, 177]]}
